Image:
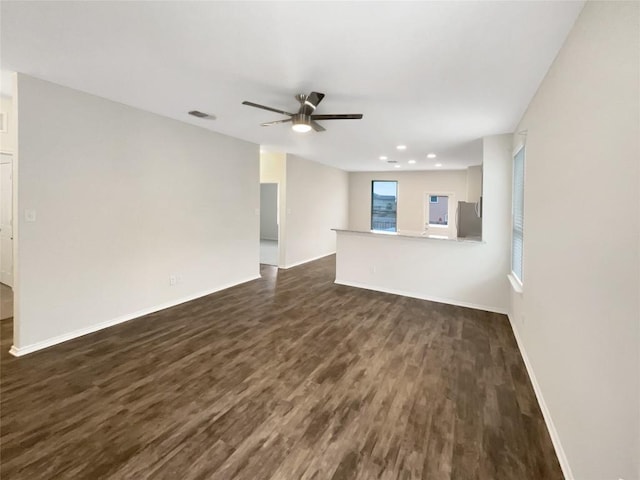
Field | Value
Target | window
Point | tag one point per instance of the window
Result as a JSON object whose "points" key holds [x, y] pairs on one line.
{"points": [[517, 238], [438, 210], [384, 205]]}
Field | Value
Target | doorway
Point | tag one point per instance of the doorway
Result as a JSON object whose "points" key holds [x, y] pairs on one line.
{"points": [[440, 214], [269, 224], [6, 235]]}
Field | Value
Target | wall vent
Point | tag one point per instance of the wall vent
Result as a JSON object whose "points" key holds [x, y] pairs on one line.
{"points": [[199, 114]]}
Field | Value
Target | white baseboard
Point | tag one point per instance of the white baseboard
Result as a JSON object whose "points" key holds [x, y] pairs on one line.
{"points": [[34, 347], [291, 265], [546, 414], [449, 301]]}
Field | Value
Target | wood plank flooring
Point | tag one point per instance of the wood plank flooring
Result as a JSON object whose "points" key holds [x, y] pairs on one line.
{"points": [[286, 377]]}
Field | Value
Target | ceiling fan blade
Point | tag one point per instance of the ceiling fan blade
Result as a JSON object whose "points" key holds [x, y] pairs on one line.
{"points": [[251, 104], [309, 102], [339, 116], [317, 127], [315, 98], [275, 122]]}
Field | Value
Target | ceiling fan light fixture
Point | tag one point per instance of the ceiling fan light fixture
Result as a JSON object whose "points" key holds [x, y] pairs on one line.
{"points": [[301, 127], [301, 123], [305, 120]]}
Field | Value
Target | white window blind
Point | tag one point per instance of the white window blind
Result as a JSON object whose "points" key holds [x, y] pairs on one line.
{"points": [[517, 238]]}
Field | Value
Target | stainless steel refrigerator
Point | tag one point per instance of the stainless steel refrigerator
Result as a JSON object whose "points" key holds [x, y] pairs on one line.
{"points": [[469, 220]]}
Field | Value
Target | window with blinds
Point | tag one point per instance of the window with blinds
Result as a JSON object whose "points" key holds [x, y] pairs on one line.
{"points": [[517, 237]]}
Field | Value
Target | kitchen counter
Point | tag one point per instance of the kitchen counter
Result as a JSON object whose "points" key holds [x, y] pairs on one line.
{"points": [[445, 270], [411, 234]]}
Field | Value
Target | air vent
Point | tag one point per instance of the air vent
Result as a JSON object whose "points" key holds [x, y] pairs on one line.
{"points": [[199, 114], [392, 161]]}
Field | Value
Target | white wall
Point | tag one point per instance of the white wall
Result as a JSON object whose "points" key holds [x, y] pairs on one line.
{"points": [[412, 187], [578, 318], [269, 211], [273, 167], [316, 202], [123, 199], [474, 183], [8, 138], [463, 273]]}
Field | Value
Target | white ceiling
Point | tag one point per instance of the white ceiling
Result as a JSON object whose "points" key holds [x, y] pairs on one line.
{"points": [[435, 76]]}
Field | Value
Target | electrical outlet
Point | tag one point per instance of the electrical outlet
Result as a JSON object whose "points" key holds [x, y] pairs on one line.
{"points": [[172, 280]]}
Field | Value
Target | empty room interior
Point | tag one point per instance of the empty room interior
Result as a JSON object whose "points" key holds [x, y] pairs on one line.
{"points": [[320, 240]]}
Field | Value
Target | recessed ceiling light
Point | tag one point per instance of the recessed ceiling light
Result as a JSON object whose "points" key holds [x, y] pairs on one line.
{"points": [[412, 161], [397, 166], [431, 155], [438, 164], [382, 157], [401, 147]]}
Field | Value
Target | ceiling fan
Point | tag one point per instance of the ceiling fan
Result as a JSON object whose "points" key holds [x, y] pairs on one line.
{"points": [[305, 119]]}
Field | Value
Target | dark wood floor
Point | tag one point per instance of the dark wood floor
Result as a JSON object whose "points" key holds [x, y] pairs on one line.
{"points": [[287, 377]]}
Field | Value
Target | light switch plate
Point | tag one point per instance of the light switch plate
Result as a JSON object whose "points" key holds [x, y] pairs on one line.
{"points": [[29, 215]]}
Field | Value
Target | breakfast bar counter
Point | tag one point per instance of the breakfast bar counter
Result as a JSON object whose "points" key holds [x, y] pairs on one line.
{"points": [[423, 265]]}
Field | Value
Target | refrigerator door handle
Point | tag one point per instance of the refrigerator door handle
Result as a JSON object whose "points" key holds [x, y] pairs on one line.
{"points": [[458, 221]]}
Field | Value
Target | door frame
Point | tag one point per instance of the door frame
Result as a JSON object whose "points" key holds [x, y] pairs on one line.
{"points": [[278, 220], [11, 162]]}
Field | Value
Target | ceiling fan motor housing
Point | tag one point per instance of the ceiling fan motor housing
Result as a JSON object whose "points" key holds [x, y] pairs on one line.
{"points": [[301, 119]]}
